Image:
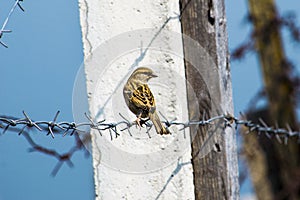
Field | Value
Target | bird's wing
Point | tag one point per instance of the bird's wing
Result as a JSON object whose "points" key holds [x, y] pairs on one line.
{"points": [[143, 98]]}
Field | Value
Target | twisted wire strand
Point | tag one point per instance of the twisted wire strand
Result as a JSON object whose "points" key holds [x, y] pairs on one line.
{"points": [[53, 127], [3, 28]]}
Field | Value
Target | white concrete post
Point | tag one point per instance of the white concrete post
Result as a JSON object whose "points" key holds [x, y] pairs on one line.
{"points": [[119, 36]]}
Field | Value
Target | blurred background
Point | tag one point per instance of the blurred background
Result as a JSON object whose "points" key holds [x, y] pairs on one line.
{"points": [[37, 75]]}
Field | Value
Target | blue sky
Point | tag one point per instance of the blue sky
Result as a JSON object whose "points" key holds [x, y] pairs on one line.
{"points": [[37, 75], [246, 74]]}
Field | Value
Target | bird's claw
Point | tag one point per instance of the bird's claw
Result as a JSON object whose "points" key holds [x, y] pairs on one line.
{"points": [[140, 122]]}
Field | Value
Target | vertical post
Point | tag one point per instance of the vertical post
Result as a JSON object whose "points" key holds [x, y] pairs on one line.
{"points": [[113, 28], [273, 165], [215, 172]]}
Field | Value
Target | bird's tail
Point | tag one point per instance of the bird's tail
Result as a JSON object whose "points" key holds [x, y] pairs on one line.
{"points": [[160, 129]]}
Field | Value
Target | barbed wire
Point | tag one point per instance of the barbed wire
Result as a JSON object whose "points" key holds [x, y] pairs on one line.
{"points": [[65, 157], [3, 28], [23, 125], [287, 21], [53, 127]]}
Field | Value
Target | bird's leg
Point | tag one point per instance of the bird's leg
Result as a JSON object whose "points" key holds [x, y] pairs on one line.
{"points": [[138, 119]]}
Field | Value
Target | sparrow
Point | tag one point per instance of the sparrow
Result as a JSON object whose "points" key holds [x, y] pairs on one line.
{"points": [[140, 99]]}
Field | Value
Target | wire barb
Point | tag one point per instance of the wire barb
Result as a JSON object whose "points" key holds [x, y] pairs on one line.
{"points": [[3, 30]]}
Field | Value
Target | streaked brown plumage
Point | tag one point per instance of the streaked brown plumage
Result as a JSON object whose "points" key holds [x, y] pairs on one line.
{"points": [[140, 99]]}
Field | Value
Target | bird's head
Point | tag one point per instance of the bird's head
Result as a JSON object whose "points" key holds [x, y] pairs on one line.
{"points": [[143, 74]]}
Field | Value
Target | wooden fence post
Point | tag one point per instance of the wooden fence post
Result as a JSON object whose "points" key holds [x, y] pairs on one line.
{"points": [[215, 171]]}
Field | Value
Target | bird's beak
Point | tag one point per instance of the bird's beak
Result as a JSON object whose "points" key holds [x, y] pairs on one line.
{"points": [[154, 75]]}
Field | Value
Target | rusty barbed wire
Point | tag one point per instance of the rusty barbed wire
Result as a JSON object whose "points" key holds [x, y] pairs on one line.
{"points": [[286, 21], [65, 157], [3, 28]]}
